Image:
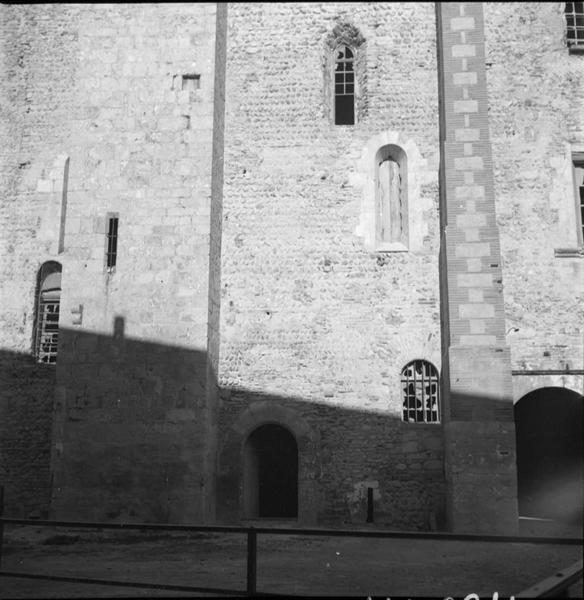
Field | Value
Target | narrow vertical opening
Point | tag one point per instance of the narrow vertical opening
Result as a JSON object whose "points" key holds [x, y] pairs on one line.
{"points": [[112, 243], [344, 87], [61, 247], [369, 505]]}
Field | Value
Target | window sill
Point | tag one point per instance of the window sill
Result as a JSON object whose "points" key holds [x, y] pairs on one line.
{"points": [[391, 247], [569, 252], [576, 49]]}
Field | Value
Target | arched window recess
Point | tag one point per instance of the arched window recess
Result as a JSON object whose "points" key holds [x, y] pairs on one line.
{"points": [[391, 198]]}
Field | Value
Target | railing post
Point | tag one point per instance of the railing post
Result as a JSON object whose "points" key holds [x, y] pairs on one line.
{"points": [[1, 522], [252, 543]]}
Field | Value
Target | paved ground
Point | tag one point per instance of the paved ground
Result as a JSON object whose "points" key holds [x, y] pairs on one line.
{"points": [[286, 564]]}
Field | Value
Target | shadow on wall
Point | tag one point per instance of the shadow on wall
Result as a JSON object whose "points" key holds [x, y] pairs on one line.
{"points": [[138, 426], [27, 390]]}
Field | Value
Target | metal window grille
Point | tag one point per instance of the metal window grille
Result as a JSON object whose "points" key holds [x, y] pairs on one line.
{"points": [[344, 87], [574, 12], [112, 243], [420, 392], [48, 331], [47, 313]]}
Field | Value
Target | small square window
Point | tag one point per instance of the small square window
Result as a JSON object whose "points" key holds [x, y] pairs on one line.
{"points": [[191, 82]]}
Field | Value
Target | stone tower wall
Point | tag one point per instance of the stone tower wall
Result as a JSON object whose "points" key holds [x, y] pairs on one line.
{"points": [[102, 85], [143, 149]]}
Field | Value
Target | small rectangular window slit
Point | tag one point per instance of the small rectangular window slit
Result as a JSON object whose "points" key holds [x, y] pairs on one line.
{"points": [[112, 244], [191, 82]]}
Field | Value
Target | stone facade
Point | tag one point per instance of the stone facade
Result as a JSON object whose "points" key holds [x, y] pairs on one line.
{"points": [[250, 287], [312, 316], [536, 124]]}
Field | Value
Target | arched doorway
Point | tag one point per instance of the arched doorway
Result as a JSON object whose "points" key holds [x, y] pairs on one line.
{"points": [[270, 481], [548, 426]]}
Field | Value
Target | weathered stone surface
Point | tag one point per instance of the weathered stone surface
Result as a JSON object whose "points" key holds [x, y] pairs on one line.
{"points": [[247, 270], [536, 123], [309, 312]]}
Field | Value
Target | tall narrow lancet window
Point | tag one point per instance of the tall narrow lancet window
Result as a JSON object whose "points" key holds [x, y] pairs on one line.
{"points": [[420, 392], [47, 315], [345, 75], [344, 86]]}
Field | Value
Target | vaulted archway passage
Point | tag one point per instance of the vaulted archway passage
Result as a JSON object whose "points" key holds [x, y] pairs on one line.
{"points": [[271, 473], [548, 425]]}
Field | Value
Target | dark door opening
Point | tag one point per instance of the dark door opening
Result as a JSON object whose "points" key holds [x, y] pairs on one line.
{"points": [[271, 473], [548, 427]]}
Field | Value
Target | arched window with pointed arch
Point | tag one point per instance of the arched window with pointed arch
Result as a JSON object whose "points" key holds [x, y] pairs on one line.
{"points": [[420, 392], [47, 313], [345, 75], [344, 86]]}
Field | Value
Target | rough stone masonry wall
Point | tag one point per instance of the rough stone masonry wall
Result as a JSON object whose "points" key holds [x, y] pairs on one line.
{"points": [[129, 435], [311, 317], [537, 119], [38, 52]]}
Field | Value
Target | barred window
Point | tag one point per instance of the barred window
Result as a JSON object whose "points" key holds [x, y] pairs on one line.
{"points": [[344, 86], [47, 314], [574, 12], [420, 392]]}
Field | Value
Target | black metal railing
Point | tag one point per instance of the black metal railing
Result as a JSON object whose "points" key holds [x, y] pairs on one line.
{"points": [[556, 586], [251, 534]]}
